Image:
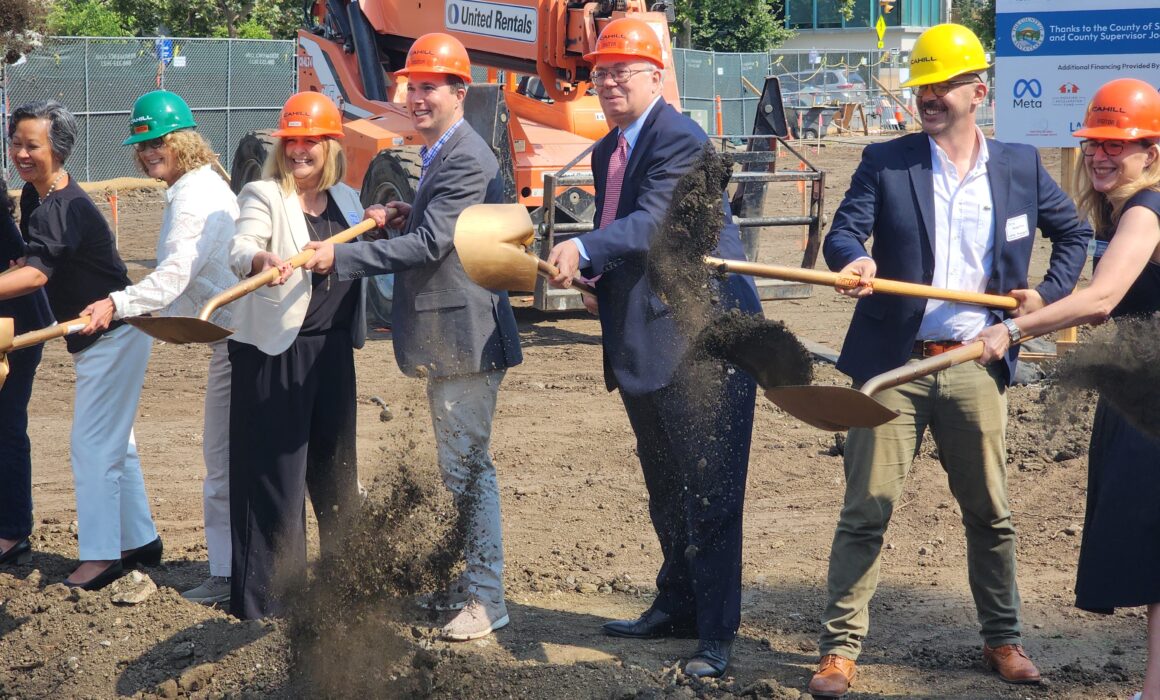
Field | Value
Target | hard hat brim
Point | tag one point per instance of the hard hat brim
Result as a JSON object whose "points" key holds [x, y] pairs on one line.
{"points": [[434, 70], [1114, 132], [617, 56], [155, 134], [943, 76], [305, 131]]}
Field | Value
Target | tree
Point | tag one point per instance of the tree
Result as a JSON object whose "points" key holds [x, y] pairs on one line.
{"points": [[22, 24], [730, 25], [979, 17], [245, 19], [85, 18]]}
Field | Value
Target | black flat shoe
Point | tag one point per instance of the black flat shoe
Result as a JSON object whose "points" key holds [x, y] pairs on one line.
{"points": [[111, 573], [145, 555], [651, 624], [19, 553], [710, 660]]}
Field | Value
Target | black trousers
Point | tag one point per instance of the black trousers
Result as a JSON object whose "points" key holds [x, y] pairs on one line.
{"points": [[15, 448], [694, 451], [292, 431]]}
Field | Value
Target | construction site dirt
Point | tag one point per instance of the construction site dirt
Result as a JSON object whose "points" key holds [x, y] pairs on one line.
{"points": [[580, 548]]}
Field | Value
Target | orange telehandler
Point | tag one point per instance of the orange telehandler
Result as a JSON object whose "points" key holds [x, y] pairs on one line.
{"points": [[536, 108]]}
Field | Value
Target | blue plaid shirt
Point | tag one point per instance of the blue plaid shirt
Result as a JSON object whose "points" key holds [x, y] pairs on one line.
{"points": [[428, 153]]}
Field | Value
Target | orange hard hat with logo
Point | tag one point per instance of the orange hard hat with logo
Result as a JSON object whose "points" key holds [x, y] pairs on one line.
{"points": [[628, 39], [437, 53], [1125, 108], [309, 114]]}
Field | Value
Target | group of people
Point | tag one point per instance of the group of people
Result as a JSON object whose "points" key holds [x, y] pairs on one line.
{"points": [[946, 207]]}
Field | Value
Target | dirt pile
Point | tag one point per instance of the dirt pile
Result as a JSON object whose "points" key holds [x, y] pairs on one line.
{"points": [[1120, 360]]}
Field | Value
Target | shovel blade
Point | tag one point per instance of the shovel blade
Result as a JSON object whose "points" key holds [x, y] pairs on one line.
{"points": [[490, 240], [179, 329], [833, 408]]}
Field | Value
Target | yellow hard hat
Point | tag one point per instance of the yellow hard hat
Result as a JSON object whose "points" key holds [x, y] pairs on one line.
{"points": [[943, 52]]}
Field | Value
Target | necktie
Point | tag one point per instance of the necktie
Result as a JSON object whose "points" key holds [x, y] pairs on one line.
{"points": [[616, 166]]}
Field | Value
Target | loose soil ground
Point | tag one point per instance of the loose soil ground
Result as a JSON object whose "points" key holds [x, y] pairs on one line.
{"points": [[580, 548]]}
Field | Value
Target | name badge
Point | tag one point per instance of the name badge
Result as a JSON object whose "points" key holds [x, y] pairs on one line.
{"points": [[1017, 228]]}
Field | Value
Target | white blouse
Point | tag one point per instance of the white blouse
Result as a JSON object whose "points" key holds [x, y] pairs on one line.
{"points": [[192, 252]]}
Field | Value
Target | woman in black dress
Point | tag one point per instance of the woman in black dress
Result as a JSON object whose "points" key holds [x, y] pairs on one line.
{"points": [[1119, 561]]}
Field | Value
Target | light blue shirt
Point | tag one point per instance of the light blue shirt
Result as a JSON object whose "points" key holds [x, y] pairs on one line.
{"points": [[631, 134]]}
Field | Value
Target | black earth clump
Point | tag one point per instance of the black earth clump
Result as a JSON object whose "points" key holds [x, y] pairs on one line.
{"points": [[1120, 360], [765, 349], [691, 230]]}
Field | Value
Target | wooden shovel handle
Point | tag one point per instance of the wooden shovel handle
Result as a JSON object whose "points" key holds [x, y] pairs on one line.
{"points": [[263, 278], [833, 279], [37, 337], [930, 365], [549, 270]]}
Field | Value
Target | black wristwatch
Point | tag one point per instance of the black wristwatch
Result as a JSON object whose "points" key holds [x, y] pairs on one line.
{"points": [[1013, 332]]}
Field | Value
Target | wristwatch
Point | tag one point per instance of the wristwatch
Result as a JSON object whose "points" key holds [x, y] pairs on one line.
{"points": [[1013, 332]]}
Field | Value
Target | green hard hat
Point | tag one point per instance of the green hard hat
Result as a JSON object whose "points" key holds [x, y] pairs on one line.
{"points": [[156, 114]]}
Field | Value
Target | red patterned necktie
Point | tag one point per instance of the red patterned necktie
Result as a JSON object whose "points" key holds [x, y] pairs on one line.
{"points": [[616, 167]]}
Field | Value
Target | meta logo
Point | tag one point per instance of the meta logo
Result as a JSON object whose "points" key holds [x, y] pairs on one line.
{"points": [[1027, 94]]}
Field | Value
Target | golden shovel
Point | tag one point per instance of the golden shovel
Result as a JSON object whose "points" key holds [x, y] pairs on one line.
{"points": [[839, 408], [10, 343], [199, 329], [492, 241]]}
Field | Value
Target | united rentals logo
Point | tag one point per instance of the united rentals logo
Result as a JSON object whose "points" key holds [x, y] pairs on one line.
{"points": [[1027, 34], [491, 19]]}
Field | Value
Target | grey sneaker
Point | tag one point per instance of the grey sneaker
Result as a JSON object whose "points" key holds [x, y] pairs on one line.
{"points": [[455, 598], [213, 590], [477, 619]]}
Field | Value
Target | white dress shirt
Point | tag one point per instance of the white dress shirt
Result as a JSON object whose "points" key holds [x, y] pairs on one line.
{"points": [[963, 242], [192, 251]]}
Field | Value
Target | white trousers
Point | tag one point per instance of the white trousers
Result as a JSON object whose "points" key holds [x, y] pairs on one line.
{"points": [[112, 508], [462, 409], [215, 449]]}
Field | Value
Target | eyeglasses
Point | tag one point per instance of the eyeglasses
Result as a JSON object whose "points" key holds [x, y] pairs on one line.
{"points": [[619, 75], [941, 89], [150, 144], [1111, 148]]}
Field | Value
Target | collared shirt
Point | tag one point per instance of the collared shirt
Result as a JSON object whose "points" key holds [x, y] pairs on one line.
{"points": [[963, 242], [192, 251], [631, 133], [428, 153]]}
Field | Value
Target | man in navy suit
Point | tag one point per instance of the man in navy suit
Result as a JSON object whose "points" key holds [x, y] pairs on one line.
{"points": [[952, 209], [692, 440]]}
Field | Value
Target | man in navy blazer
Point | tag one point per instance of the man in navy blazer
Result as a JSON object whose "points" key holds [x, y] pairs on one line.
{"points": [[952, 209], [692, 440]]}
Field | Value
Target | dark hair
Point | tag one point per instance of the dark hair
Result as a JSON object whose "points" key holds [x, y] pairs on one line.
{"points": [[62, 125], [455, 82], [6, 204]]}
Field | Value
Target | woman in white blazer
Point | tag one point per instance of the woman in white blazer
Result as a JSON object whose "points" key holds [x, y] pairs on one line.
{"points": [[292, 421]]}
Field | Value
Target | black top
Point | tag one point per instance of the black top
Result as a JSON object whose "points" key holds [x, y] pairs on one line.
{"points": [[1142, 297], [332, 302], [29, 312], [70, 242]]}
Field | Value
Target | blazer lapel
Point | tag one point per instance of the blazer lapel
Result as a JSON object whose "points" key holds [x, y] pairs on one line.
{"points": [[642, 142], [998, 176], [919, 164], [295, 220]]}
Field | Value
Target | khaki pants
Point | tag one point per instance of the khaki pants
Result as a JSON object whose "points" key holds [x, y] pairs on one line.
{"points": [[965, 408]]}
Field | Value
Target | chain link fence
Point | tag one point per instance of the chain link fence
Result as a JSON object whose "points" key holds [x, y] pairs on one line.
{"points": [[233, 86], [809, 79]]}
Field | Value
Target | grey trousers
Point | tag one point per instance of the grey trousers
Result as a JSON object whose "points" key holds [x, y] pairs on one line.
{"points": [[965, 408], [462, 409]]}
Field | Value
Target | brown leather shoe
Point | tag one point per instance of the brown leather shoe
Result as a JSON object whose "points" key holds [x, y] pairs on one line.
{"points": [[834, 676], [1011, 662]]}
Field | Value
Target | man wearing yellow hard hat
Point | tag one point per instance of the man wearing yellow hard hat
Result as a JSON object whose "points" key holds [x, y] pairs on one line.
{"points": [[950, 208]]}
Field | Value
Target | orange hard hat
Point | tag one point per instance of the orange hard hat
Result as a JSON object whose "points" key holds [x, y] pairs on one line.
{"points": [[309, 114], [1125, 108], [437, 53], [628, 38]]}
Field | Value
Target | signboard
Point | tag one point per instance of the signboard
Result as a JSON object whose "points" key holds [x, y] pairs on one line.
{"points": [[1052, 55], [880, 29], [492, 19]]}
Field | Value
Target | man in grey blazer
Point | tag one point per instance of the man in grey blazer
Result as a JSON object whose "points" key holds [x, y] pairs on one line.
{"points": [[458, 335]]}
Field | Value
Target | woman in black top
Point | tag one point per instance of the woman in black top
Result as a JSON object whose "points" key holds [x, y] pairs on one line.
{"points": [[28, 313], [72, 256]]}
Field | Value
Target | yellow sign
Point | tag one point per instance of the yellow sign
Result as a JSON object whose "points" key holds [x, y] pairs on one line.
{"points": [[880, 27]]}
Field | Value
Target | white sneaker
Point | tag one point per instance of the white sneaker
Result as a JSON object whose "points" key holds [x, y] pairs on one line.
{"points": [[477, 619], [213, 590]]}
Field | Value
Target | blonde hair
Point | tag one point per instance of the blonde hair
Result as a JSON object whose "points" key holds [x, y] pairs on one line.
{"points": [[333, 167], [190, 151], [1103, 209]]}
